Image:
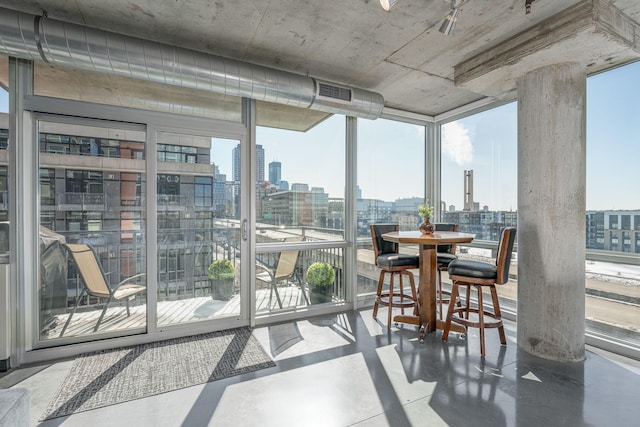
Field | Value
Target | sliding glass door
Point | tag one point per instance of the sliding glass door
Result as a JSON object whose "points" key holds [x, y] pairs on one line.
{"points": [[95, 229], [92, 228], [198, 227]]}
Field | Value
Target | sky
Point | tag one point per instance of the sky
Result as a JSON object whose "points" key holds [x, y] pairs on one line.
{"points": [[487, 144], [613, 141], [390, 159], [391, 154], [314, 158]]}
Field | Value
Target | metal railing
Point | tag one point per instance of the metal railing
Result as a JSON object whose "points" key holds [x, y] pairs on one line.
{"points": [[81, 201]]}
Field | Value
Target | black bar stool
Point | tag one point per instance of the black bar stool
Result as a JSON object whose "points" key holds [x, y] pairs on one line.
{"points": [[445, 254], [390, 261], [478, 274]]}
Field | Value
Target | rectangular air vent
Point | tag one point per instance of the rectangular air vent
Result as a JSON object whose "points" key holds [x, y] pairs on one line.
{"points": [[334, 92]]}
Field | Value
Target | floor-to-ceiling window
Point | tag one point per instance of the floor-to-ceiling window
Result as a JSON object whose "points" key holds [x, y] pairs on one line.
{"points": [[479, 175], [198, 243], [391, 186], [613, 205], [93, 197], [479, 182], [300, 214], [92, 227], [479, 192]]}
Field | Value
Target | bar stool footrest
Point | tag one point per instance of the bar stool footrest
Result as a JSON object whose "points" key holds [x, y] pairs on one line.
{"points": [[398, 300], [461, 320]]}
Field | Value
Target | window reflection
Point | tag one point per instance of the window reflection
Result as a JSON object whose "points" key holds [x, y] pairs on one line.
{"points": [[4, 139], [89, 201], [89, 146], [198, 240]]}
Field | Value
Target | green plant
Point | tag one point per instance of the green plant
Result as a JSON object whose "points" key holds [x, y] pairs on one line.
{"points": [[424, 210], [221, 269], [320, 274]]}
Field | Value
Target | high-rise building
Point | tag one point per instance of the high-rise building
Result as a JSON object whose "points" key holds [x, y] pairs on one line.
{"points": [[275, 173], [221, 201], [259, 164], [235, 163]]}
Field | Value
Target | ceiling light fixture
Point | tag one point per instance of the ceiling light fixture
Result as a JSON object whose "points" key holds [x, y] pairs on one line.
{"points": [[388, 4], [449, 22]]}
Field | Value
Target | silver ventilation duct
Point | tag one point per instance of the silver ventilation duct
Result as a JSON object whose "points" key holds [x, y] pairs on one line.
{"points": [[39, 38]]}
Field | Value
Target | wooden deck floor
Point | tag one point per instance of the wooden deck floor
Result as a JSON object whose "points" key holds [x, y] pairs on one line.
{"points": [[169, 312]]}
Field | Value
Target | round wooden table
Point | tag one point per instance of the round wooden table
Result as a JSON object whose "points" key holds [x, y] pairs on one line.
{"points": [[427, 316]]}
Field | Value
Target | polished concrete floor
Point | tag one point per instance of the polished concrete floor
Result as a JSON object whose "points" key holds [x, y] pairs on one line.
{"points": [[347, 370]]}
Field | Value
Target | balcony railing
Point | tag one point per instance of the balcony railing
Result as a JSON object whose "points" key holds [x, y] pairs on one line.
{"points": [[172, 200], [184, 258], [81, 201]]}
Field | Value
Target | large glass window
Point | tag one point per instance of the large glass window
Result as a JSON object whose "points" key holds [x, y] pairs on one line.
{"points": [[169, 189], [4, 138], [47, 187], [479, 172], [310, 171], [613, 108], [130, 189], [479, 193], [391, 165], [204, 191], [103, 145], [301, 199], [91, 229], [176, 153], [198, 244], [479, 184]]}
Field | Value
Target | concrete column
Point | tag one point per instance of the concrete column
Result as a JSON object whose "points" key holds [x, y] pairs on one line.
{"points": [[551, 211]]}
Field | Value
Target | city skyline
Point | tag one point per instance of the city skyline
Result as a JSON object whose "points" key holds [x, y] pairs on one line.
{"points": [[484, 142]]}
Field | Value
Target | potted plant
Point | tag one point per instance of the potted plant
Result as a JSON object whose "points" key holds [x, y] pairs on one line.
{"points": [[320, 277], [222, 274], [426, 212]]}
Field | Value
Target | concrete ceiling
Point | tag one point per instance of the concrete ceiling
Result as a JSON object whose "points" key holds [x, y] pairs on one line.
{"points": [[400, 54]]}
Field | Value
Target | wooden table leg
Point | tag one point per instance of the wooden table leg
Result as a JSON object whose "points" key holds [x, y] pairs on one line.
{"points": [[427, 293], [426, 319]]}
